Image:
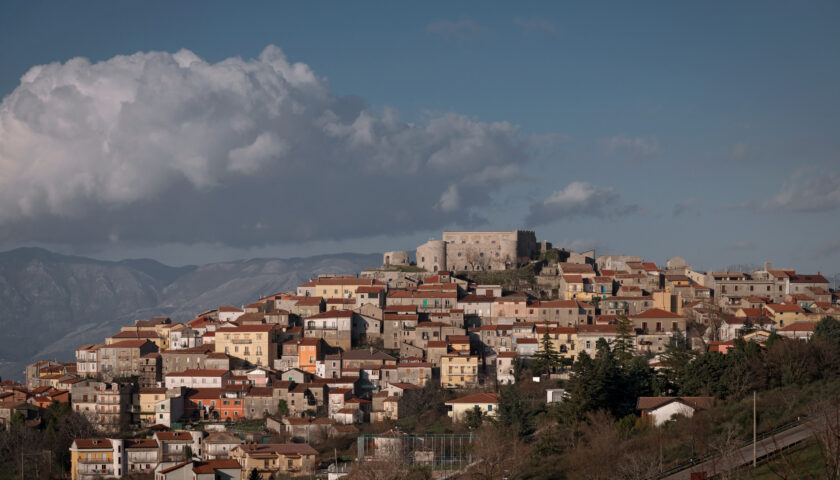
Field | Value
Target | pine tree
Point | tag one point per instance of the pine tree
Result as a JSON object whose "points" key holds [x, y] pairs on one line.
{"points": [[547, 358], [254, 475], [623, 347]]}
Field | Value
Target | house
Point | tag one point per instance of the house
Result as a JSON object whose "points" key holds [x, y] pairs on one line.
{"points": [[218, 445], [785, 313], [335, 327], [659, 410], [226, 469], [251, 344], [123, 359], [336, 287], [176, 446], [504, 368], [488, 403], [459, 371], [272, 458], [588, 336], [141, 456], [798, 331], [92, 458], [658, 320]]}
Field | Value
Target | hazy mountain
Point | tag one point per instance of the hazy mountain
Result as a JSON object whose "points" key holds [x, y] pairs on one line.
{"points": [[51, 303]]}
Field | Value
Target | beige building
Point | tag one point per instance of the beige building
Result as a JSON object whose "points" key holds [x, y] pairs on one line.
{"points": [[272, 458], [487, 403], [336, 287], [252, 344], [458, 371]]}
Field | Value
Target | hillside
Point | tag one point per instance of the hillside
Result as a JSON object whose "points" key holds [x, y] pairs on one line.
{"points": [[52, 303]]}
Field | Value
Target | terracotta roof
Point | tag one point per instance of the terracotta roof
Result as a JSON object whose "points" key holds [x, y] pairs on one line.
{"points": [[127, 344], [610, 328], [477, 398], [93, 443], [799, 327], [526, 340], [141, 443], [559, 304], [332, 314], [136, 334], [435, 344], [506, 354], [785, 307], [210, 466], [309, 301], [176, 466], [228, 308]]}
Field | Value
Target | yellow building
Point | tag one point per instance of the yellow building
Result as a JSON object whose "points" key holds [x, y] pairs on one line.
{"points": [[93, 458], [784, 314], [563, 340], [336, 287], [458, 371], [254, 344], [145, 404]]}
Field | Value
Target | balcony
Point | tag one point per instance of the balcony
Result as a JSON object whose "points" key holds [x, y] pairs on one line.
{"points": [[241, 341]]}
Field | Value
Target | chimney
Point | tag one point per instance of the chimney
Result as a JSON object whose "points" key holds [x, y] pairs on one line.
{"points": [[768, 266]]}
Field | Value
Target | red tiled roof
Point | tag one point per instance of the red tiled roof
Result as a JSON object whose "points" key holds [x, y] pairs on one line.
{"points": [[477, 398]]}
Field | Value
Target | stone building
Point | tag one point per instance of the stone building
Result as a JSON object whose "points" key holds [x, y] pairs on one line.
{"points": [[478, 250]]}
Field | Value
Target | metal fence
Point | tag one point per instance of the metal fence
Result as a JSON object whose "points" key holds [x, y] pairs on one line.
{"points": [[439, 452]]}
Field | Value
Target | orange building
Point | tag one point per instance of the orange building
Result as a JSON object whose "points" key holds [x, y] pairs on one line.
{"points": [[309, 352]]}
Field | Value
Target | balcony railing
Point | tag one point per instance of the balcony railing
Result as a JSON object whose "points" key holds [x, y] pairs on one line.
{"points": [[241, 341]]}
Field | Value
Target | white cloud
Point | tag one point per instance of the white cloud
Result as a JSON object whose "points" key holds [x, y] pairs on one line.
{"points": [[168, 147], [450, 201], [636, 148], [807, 191], [579, 199]]}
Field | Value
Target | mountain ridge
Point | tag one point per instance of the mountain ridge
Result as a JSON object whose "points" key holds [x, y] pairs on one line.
{"points": [[70, 300]]}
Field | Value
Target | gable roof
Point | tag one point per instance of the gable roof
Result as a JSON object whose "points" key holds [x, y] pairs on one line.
{"points": [[477, 398], [652, 403]]}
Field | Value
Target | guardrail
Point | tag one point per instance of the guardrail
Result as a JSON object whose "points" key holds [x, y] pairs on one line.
{"points": [[759, 437]]}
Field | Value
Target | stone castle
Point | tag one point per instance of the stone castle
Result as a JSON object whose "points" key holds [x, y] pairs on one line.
{"points": [[478, 250]]}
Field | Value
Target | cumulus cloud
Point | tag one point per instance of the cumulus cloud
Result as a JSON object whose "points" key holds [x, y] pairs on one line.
{"points": [[807, 192], [579, 199], [636, 148], [160, 147], [534, 25], [462, 29]]}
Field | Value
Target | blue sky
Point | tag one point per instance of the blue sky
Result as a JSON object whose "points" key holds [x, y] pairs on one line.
{"points": [[705, 130]]}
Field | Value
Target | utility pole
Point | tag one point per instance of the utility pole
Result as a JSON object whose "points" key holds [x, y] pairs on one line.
{"points": [[755, 460]]}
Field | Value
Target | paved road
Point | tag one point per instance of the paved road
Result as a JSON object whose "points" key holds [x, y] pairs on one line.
{"points": [[744, 456]]}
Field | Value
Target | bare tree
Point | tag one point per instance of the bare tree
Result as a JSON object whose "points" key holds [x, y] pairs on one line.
{"points": [[494, 458]]}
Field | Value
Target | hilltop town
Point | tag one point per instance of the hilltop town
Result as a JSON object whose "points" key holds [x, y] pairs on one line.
{"points": [[404, 366]]}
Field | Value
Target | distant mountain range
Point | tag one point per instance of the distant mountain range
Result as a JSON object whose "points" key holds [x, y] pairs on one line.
{"points": [[52, 303]]}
